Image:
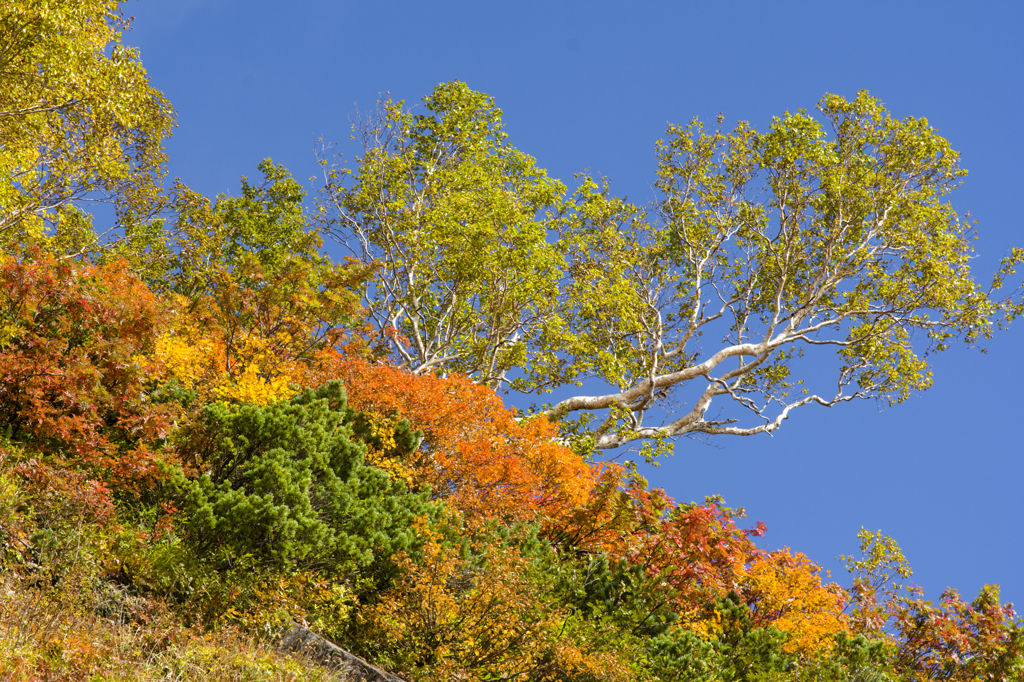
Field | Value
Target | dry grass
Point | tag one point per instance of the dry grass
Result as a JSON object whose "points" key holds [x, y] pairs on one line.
{"points": [[62, 617], [46, 636]]}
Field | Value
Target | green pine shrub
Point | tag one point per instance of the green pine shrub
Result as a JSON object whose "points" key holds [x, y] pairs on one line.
{"points": [[285, 486]]}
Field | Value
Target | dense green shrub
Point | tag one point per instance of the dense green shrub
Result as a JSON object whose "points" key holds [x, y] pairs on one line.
{"points": [[286, 485]]}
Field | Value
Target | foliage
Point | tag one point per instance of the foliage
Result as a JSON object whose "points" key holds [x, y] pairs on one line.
{"points": [[265, 224], [785, 591], [778, 241], [477, 455], [258, 336], [457, 220], [15, 530], [697, 549], [74, 373], [255, 300], [956, 640], [177, 451], [848, 659], [214, 589], [80, 122], [700, 551], [740, 652], [118, 637], [64, 616], [488, 615], [781, 241], [618, 592], [286, 484], [981, 640], [877, 588]]}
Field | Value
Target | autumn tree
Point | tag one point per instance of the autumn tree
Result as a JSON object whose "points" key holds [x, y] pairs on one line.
{"points": [[491, 609], [953, 640], [477, 455], [256, 299], [79, 122], [827, 232], [776, 242], [959, 640], [786, 592], [78, 383], [458, 221], [698, 552]]}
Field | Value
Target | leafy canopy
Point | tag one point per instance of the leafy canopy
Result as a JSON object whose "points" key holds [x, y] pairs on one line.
{"points": [[79, 122], [457, 222], [823, 232]]}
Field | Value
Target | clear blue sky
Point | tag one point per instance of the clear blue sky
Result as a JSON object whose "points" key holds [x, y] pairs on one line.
{"points": [[591, 85]]}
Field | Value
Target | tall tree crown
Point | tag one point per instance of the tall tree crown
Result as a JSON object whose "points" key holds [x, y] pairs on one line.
{"points": [[80, 122], [830, 230]]}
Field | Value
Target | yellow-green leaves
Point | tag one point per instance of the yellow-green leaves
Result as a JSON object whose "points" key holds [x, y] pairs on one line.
{"points": [[828, 232], [457, 220], [78, 118]]}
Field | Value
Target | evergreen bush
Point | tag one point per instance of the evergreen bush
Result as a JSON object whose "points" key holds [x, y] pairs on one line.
{"points": [[286, 485]]}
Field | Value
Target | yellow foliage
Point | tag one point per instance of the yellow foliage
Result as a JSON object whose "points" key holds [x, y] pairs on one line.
{"points": [[248, 370], [251, 386], [788, 593], [8, 332], [187, 359], [486, 617], [382, 428]]}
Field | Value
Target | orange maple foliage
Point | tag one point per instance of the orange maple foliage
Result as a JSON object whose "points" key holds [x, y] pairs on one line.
{"points": [[74, 371], [619, 515], [477, 454], [696, 550]]}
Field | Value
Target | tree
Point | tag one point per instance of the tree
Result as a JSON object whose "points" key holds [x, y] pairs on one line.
{"points": [[477, 455], [457, 221], [785, 591], [256, 299], [775, 242], [956, 640], [696, 552], [488, 610], [980, 640], [76, 376], [79, 121], [264, 225], [738, 652], [829, 232]]}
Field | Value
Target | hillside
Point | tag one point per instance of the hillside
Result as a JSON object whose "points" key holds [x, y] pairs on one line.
{"points": [[211, 431]]}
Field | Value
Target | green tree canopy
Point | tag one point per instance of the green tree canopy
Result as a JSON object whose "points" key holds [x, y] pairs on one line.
{"points": [[825, 232], [457, 222]]}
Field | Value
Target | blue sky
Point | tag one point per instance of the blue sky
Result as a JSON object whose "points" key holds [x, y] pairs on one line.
{"points": [[591, 86]]}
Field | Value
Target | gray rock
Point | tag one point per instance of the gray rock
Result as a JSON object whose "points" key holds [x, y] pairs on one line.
{"points": [[305, 641]]}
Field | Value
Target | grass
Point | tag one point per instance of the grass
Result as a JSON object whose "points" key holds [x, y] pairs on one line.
{"points": [[48, 636]]}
